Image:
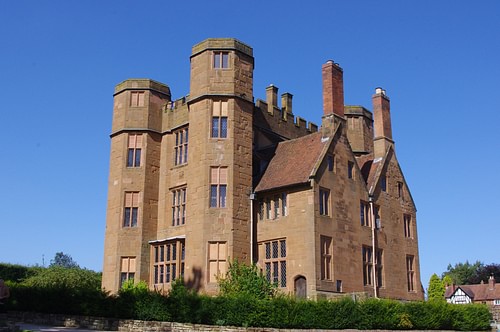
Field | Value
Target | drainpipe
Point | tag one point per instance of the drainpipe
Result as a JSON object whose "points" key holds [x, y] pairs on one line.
{"points": [[374, 250], [252, 198]]}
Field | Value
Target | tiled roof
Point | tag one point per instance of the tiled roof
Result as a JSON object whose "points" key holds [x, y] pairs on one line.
{"points": [[479, 292], [293, 162]]}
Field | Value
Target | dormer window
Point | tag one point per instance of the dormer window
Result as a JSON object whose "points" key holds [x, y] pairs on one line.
{"points": [[221, 60]]}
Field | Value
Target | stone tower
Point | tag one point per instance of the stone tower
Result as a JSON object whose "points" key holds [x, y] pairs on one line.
{"points": [[220, 166], [133, 179]]}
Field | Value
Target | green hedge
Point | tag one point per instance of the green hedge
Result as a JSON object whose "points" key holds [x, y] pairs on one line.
{"points": [[16, 273], [182, 305]]}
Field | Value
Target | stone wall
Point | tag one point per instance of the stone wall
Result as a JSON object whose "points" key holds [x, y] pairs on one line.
{"points": [[130, 325]]}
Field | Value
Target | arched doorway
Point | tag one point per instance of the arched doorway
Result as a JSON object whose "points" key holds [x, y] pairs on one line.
{"points": [[300, 287]]}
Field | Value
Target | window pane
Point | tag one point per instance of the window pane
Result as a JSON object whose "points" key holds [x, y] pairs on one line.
{"points": [[223, 127], [130, 158], [268, 250], [283, 248], [123, 278], [126, 218], [213, 195], [134, 216], [276, 207], [137, 157], [283, 273], [284, 211], [217, 60], [261, 210], [225, 60], [362, 213], [275, 249], [222, 193], [321, 200], [215, 127]]}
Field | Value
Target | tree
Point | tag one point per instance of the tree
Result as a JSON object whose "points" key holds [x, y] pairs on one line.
{"points": [[63, 260], [447, 281], [247, 281], [484, 272], [436, 289], [463, 273]]}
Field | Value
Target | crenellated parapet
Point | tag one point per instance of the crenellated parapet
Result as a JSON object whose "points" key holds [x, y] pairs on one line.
{"points": [[280, 120], [175, 114]]}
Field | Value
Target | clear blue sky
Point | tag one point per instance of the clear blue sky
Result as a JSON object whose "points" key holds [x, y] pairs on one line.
{"points": [[60, 60]]}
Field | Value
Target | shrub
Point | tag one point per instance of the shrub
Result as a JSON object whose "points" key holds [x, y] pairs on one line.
{"points": [[247, 281]]}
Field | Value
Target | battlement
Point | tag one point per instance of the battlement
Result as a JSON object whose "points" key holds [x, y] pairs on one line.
{"points": [[281, 122], [176, 104]]}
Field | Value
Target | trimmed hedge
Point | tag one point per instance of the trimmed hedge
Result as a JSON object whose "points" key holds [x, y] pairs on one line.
{"points": [[184, 306], [16, 273]]}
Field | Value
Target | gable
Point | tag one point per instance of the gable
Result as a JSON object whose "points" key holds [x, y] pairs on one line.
{"points": [[389, 168], [460, 297]]}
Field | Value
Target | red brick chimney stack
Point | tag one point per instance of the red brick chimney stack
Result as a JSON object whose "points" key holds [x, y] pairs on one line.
{"points": [[333, 89], [382, 114], [491, 282]]}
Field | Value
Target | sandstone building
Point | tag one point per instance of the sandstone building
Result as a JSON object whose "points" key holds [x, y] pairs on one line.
{"points": [[215, 176]]}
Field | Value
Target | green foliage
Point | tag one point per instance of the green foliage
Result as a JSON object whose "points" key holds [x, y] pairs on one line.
{"points": [[183, 304], [436, 289], [463, 273], [135, 300], [64, 278], [484, 272], [63, 260], [246, 281], [57, 290], [17, 273], [447, 281], [470, 274], [470, 317]]}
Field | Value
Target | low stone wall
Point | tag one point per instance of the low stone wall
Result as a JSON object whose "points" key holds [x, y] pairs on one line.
{"points": [[130, 325]]}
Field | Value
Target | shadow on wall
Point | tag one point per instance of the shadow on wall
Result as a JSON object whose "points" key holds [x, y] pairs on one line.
{"points": [[194, 283]]}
